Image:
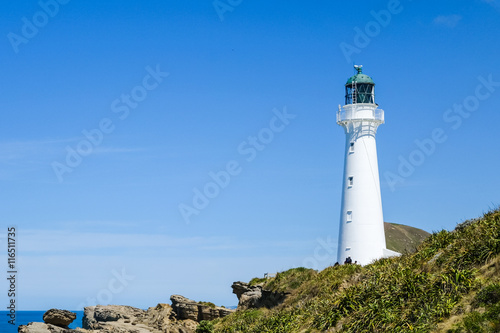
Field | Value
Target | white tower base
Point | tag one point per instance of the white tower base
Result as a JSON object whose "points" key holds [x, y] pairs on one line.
{"points": [[362, 236]]}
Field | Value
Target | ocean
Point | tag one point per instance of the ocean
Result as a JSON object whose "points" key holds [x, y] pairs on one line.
{"points": [[25, 317]]}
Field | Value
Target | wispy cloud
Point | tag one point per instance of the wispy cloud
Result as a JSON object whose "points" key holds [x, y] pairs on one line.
{"points": [[13, 151], [61, 241], [102, 225], [19, 158], [450, 21], [39, 242], [116, 150]]}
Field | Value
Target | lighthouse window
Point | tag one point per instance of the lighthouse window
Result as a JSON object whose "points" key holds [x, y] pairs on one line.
{"points": [[351, 147], [350, 181], [349, 216]]}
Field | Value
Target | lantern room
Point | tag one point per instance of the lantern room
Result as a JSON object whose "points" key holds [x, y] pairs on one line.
{"points": [[360, 88]]}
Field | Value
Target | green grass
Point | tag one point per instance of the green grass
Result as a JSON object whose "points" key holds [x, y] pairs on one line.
{"points": [[402, 238], [209, 304], [289, 280], [205, 326], [410, 293], [256, 281], [485, 317]]}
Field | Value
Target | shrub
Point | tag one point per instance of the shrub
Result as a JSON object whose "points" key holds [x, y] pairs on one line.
{"points": [[289, 280], [410, 293], [205, 326], [488, 295], [256, 281], [209, 304]]}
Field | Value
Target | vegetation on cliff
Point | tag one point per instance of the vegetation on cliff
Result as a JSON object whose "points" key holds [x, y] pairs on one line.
{"points": [[402, 238], [450, 284]]}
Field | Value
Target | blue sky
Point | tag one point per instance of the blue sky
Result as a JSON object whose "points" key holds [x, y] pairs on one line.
{"points": [[172, 92]]}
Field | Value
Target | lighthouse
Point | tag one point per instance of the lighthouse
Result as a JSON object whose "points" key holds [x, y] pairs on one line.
{"points": [[361, 234]]}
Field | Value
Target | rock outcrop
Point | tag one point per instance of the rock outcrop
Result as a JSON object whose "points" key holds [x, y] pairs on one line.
{"points": [[256, 297], [182, 317], [46, 328], [159, 317], [99, 317], [61, 318], [184, 308], [55, 321], [127, 319]]}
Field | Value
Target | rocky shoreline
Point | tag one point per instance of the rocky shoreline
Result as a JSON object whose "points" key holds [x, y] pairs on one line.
{"points": [[182, 316]]}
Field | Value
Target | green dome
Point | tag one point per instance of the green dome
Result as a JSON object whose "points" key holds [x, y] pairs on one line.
{"points": [[360, 77]]}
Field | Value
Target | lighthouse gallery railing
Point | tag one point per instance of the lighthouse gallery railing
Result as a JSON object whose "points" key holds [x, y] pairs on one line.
{"points": [[372, 115]]}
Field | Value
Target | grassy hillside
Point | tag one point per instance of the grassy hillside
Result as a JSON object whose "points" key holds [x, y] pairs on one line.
{"points": [[402, 238], [451, 284]]}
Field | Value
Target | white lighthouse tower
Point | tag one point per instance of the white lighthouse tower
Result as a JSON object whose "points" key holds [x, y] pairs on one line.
{"points": [[361, 235]]}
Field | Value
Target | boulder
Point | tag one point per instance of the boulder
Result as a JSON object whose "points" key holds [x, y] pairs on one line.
{"points": [[186, 309], [159, 317], [115, 312], [112, 318], [224, 312], [256, 297], [127, 319], [185, 326], [34, 328], [88, 321], [61, 318], [45, 328], [248, 296]]}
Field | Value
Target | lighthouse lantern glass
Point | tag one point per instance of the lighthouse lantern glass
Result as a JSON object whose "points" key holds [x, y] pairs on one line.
{"points": [[360, 93]]}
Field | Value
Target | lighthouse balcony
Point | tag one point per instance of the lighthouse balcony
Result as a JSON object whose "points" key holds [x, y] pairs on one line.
{"points": [[360, 112]]}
